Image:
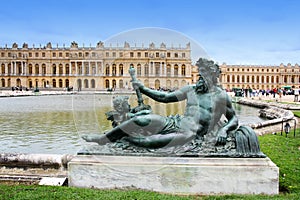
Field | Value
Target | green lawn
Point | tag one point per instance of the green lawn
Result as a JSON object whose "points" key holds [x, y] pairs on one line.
{"points": [[284, 151]]}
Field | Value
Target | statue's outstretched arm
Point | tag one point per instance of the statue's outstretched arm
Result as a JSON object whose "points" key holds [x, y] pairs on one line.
{"points": [[165, 97]]}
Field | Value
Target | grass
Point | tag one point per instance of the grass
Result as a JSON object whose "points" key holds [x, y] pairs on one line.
{"points": [[297, 113], [283, 151]]}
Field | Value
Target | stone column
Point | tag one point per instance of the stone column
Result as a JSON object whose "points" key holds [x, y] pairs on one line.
{"points": [[15, 67], [160, 69], [6, 68], [76, 68], [96, 65], [70, 68]]}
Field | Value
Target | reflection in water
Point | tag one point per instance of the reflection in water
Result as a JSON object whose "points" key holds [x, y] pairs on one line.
{"points": [[55, 124]]}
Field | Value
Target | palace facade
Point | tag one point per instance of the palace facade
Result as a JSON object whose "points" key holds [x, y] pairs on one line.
{"points": [[96, 68], [260, 77], [102, 68]]}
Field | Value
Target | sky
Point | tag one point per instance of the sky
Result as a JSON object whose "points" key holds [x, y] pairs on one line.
{"points": [[247, 32]]}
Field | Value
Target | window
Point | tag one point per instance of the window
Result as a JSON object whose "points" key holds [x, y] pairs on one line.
{"points": [[67, 54], [183, 70], [60, 54], [131, 54], [107, 70], [121, 70], [146, 54], [36, 54], [67, 69], [168, 54], [114, 54], [53, 54], [114, 70], [43, 54], [176, 70], [139, 70], [157, 54], [139, 54], [176, 55], [121, 54], [107, 54], [43, 69], [37, 69], [2, 54]]}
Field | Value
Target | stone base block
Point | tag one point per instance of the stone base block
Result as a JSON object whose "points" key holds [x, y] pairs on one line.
{"points": [[176, 175]]}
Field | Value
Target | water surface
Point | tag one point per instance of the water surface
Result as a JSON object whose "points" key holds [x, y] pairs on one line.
{"points": [[55, 124]]}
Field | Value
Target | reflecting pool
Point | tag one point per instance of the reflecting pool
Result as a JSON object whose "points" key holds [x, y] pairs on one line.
{"points": [[54, 124]]}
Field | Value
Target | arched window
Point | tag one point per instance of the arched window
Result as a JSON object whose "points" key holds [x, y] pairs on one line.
{"points": [[183, 70], [19, 82], [54, 83], [2, 69], [60, 83], [67, 68], [86, 83], [86, 69], [157, 84], [168, 84], [37, 69], [107, 70], [169, 70], [93, 84], [121, 70], [2, 82], [9, 68], [114, 70], [67, 83], [121, 84], [53, 69], [146, 70], [61, 69], [79, 84], [114, 83], [139, 70], [30, 83], [176, 84], [106, 83], [175, 70], [157, 68], [146, 83], [43, 69]]}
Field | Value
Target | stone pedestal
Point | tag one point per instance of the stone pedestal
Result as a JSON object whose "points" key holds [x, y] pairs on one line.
{"points": [[176, 175]]}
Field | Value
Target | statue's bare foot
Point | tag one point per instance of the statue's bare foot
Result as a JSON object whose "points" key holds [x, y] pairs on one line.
{"points": [[100, 139]]}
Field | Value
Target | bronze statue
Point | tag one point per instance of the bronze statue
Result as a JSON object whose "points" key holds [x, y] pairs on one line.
{"points": [[208, 126]]}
